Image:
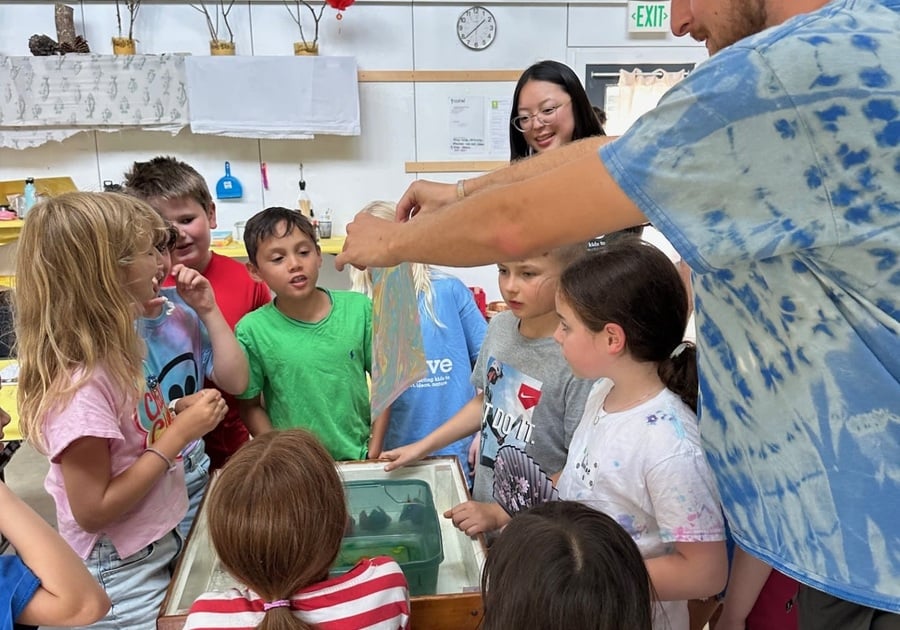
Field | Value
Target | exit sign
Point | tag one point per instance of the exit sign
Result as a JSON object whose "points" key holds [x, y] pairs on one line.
{"points": [[648, 17]]}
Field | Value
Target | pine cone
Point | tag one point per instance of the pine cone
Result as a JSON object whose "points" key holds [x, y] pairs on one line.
{"points": [[42, 46], [80, 45]]}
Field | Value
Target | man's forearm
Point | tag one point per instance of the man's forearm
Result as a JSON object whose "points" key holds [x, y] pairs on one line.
{"points": [[536, 164], [576, 201]]}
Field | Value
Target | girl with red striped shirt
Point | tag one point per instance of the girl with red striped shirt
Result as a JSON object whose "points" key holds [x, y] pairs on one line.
{"points": [[277, 514]]}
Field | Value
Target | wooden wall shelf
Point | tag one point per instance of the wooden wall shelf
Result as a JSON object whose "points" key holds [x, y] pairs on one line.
{"points": [[454, 166], [437, 76]]}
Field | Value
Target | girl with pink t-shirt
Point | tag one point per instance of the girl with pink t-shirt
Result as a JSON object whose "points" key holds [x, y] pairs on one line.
{"points": [[86, 262]]}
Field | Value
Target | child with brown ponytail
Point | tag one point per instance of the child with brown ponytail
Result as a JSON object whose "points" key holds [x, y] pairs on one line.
{"points": [[277, 514]]}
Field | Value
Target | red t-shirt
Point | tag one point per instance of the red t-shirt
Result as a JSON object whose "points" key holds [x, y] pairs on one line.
{"points": [[236, 294]]}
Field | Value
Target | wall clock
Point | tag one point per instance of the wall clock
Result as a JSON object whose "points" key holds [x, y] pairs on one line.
{"points": [[476, 28]]}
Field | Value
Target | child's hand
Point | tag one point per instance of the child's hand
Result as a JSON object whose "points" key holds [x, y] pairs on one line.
{"points": [[186, 401], [473, 517], [202, 416], [402, 456], [194, 289]]}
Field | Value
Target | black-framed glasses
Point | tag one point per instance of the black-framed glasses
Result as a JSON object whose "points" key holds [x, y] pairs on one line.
{"points": [[168, 241], [547, 115]]}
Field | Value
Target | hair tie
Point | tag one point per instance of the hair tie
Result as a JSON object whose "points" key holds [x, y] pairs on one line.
{"points": [[679, 349], [278, 603]]}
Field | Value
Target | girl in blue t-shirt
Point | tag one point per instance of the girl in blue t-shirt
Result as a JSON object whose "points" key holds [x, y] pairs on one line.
{"points": [[452, 331]]}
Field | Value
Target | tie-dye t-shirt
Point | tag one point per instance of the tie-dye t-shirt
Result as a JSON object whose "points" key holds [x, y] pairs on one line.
{"points": [[775, 170]]}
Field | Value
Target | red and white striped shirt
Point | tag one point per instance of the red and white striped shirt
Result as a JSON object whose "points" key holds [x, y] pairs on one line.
{"points": [[373, 595]]}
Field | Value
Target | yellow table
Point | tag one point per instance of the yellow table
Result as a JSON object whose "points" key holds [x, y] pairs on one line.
{"points": [[8, 402], [9, 230], [237, 250]]}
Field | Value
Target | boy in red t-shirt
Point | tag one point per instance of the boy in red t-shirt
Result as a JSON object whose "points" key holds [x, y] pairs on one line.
{"points": [[180, 194]]}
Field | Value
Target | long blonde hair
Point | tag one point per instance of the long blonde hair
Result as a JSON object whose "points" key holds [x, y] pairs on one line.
{"points": [[361, 281], [277, 514], [72, 311]]}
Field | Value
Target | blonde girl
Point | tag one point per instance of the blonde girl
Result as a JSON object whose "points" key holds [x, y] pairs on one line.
{"points": [[452, 330], [86, 262], [277, 514]]}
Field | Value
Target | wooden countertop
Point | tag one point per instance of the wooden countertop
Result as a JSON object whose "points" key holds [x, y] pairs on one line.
{"points": [[237, 250]]}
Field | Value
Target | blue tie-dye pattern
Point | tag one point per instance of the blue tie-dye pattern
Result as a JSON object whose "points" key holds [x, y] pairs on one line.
{"points": [[874, 77], [786, 128], [864, 42], [796, 253], [852, 158], [880, 109]]}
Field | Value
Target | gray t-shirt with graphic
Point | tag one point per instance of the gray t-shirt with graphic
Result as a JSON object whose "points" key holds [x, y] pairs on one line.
{"points": [[531, 400]]}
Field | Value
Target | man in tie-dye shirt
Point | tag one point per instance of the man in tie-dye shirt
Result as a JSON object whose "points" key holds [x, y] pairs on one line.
{"points": [[774, 169]]}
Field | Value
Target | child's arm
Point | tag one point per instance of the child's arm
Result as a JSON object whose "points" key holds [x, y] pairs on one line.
{"points": [[97, 498], [230, 370], [379, 430], [474, 517], [465, 422], [748, 576], [255, 416], [68, 594], [694, 570]]}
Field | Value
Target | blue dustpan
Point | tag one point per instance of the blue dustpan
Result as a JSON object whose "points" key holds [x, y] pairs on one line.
{"points": [[229, 187]]}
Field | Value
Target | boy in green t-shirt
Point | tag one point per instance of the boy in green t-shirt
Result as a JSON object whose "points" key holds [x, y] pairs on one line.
{"points": [[310, 349]]}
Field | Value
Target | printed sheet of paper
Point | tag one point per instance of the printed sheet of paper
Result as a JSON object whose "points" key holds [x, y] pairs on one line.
{"points": [[467, 125], [398, 352]]}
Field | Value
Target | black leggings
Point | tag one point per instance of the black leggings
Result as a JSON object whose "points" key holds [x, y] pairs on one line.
{"points": [[821, 611]]}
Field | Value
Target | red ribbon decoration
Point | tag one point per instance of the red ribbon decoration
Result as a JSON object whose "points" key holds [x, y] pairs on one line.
{"points": [[340, 5]]}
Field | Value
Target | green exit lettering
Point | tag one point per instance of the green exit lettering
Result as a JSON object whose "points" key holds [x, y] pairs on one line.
{"points": [[648, 16]]}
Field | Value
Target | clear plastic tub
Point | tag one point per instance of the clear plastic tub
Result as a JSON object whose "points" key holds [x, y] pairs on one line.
{"points": [[394, 518]]}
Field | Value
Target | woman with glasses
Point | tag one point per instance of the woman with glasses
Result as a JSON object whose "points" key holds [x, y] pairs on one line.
{"points": [[550, 108]]}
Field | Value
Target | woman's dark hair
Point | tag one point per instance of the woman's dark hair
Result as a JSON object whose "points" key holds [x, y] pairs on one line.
{"points": [[631, 283], [601, 118], [586, 123], [564, 565]]}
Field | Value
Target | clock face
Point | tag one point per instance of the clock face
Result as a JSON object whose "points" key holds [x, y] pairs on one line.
{"points": [[476, 28]]}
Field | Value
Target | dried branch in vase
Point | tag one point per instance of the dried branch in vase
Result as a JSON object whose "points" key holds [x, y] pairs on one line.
{"points": [[133, 7], [222, 9], [294, 10]]}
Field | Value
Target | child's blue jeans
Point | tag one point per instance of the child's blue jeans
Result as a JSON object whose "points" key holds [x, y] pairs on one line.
{"points": [[196, 478], [137, 584]]}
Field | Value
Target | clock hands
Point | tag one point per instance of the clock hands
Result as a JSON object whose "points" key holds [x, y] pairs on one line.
{"points": [[477, 26]]}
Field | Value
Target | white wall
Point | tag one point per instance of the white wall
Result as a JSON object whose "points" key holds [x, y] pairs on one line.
{"points": [[400, 121]]}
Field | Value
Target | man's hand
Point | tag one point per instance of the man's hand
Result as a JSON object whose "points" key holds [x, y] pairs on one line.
{"points": [[367, 243], [424, 196]]}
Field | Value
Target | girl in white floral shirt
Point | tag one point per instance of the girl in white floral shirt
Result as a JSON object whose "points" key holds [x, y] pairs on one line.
{"points": [[636, 454]]}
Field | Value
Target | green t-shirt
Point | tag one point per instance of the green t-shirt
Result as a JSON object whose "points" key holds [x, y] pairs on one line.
{"points": [[313, 376]]}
